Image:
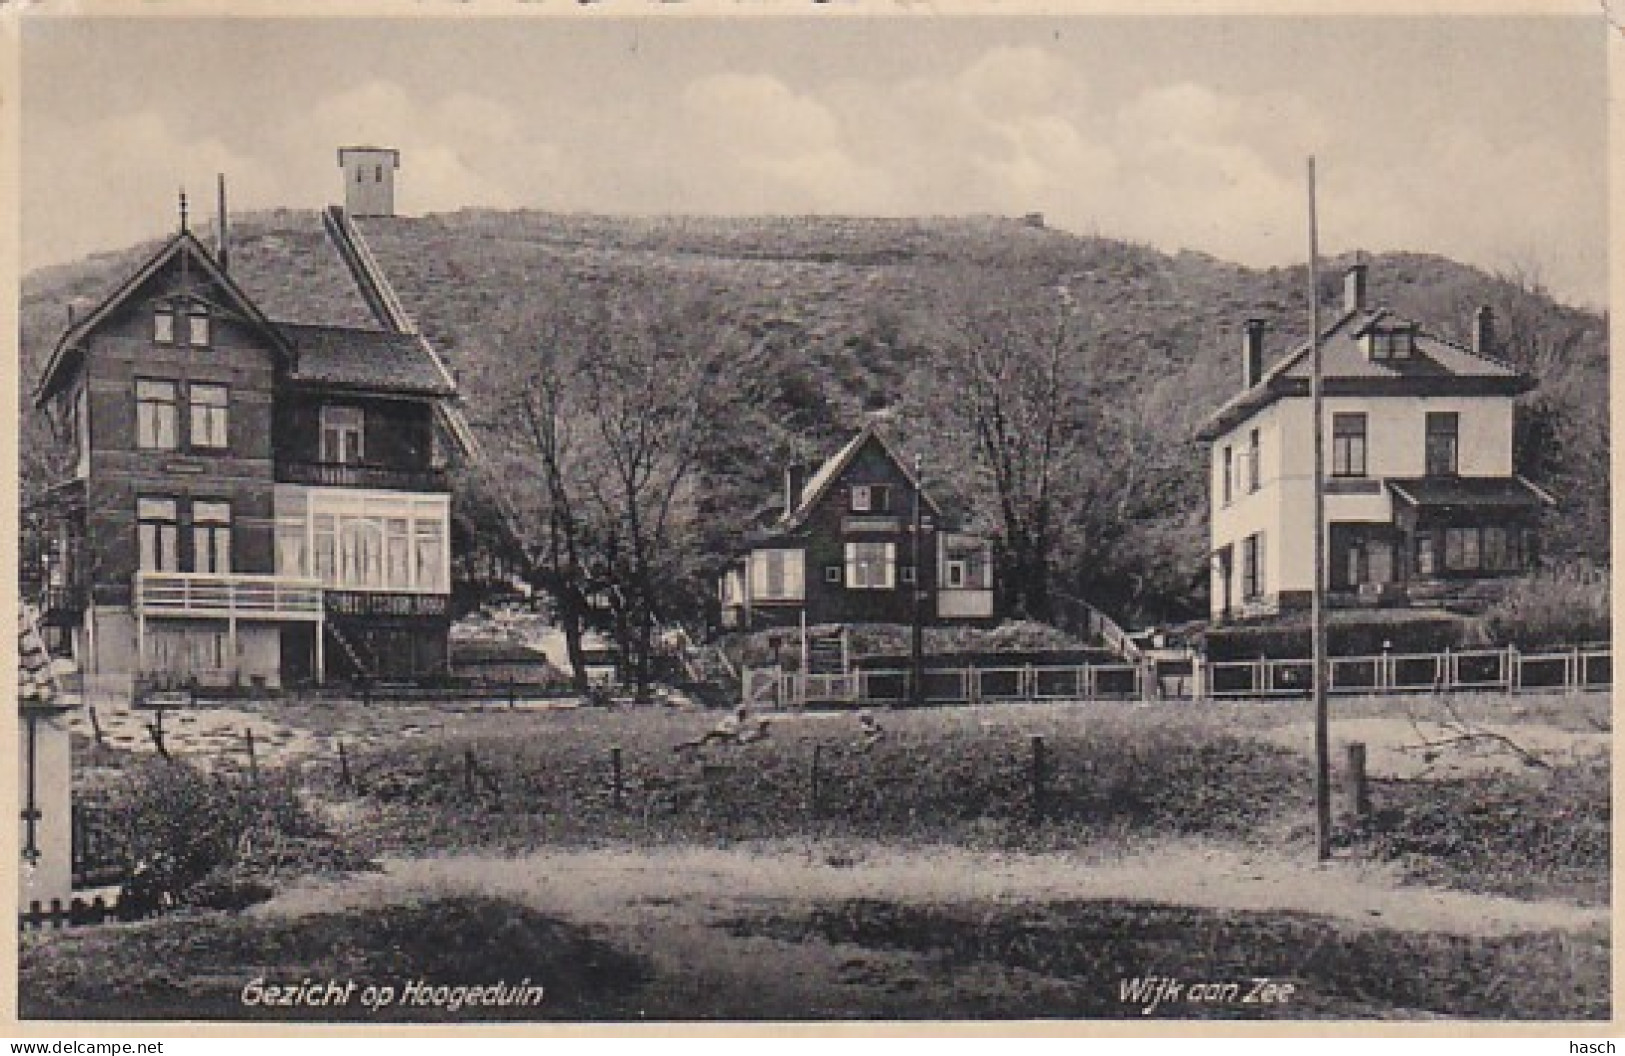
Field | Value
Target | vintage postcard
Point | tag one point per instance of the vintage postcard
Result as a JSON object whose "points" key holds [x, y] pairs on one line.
{"points": [[631, 515]]}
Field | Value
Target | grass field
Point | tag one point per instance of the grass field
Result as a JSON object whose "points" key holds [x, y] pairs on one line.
{"points": [[917, 875]]}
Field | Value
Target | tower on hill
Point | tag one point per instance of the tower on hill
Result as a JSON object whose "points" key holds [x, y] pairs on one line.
{"points": [[369, 180]]}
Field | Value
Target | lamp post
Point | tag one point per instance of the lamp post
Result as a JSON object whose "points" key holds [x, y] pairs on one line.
{"points": [[917, 682]]}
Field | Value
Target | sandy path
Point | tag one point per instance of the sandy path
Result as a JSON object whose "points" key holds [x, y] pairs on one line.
{"points": [[605, 885], [671, 906]]}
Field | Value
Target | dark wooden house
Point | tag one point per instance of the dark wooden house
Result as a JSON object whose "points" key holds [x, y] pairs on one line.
{"points": [[845, 551], [260, 493]]}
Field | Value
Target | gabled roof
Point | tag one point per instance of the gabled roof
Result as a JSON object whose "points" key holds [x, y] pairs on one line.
{"points": [[308, 280], [373, 360], [182, 244], [1436, 366], [828, 473]]}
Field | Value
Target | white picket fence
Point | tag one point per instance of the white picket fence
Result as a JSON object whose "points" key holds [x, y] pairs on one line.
{"points": [[1480, 670]]}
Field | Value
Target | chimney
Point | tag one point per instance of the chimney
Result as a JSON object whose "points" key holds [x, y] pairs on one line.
{"points": [[1252, 353], [1354, 287], [795, 478], [369, 180], [222, 242], [1484, 332]]}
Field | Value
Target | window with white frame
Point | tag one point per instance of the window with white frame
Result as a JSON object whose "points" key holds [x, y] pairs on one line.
{"points": [[1252, 566], [343, 435], [197, 326], [211, 536], [163, 325], [871, 498], [158, 534], [871, 566], [776, 575], [155, 414], [209, 405], [373, 541], [965, 563]]}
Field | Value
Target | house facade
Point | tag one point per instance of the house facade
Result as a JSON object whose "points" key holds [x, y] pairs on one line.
{"points": [[1423, 502], [260, 491], [845, 551]]}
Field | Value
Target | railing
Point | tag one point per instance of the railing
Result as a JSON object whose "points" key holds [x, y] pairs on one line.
{"points": [[1507, 670], [1485, 670], [381, 603], [227, 595], [1093, 625], [352, 475]]}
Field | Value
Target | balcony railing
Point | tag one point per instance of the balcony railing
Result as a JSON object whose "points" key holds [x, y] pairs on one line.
{"points": [[362, 475], [242, 596], [380, 603]]}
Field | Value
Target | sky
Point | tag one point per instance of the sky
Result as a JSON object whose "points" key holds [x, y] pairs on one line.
{"points": [[1479, 138]]}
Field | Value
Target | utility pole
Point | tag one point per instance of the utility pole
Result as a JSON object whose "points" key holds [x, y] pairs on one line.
{"points": [[917, 682], [1317, 602]]}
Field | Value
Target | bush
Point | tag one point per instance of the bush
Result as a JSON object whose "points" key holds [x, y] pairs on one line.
{"points": [[1347, 634], [1561, 608], [754, 649], [190, 832]]}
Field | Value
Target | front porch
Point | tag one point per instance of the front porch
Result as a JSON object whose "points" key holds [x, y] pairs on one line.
{"points": [[221, 628]]}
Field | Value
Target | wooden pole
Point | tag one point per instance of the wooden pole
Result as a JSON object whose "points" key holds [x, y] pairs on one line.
{"points": [[1317, 615], [1356, 787], [815, 780], [253, 763], [1039, 777], [917, 642]]}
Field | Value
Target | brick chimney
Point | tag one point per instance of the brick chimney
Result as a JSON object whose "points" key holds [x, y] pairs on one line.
{"points": [[1252, 353], [1484, 331], [1354, 287]]}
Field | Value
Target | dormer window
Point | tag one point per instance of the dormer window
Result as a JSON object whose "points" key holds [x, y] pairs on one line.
{"points": [[1391, 343], [197, 327], [163, 325]]}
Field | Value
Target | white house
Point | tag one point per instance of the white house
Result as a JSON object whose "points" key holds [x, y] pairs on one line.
{"points": [[1423, 502]]}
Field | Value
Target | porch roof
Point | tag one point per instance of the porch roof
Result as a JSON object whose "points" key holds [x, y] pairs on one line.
{"points": [[1470, 493]]}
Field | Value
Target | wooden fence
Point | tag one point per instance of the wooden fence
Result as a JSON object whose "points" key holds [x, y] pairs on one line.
{"points": [[1499, 670], [54, 914]]}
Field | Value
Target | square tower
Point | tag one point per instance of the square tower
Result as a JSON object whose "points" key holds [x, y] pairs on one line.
{"points": [[369, 180]]}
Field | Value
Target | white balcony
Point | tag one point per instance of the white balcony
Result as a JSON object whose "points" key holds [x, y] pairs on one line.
{"points": [[227, 596]]}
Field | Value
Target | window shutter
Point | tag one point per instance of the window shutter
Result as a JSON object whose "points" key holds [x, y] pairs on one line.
{"points": [[1263, 578], [795, 574]]}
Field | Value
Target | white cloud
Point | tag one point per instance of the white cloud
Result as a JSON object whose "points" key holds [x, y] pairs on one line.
{"points": [[1016, 129]]}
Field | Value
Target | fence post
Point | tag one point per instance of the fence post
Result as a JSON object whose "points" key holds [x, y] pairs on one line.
{"points": [[345, 781], [253, 762], [1038, 778], [616, 792], [1356, 787], [1578, 680], [815, 780], [156, 730]]}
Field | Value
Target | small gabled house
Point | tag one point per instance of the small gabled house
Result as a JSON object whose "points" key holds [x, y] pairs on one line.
{"points": [[844, 551], [1423, 502], [260, 493]]}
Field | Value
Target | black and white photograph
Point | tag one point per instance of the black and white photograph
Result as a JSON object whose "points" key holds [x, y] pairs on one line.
{"points": [[629, 515]]}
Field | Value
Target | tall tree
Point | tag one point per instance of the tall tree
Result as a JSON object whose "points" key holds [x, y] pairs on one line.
{"points": [[621, 395], [1008, 386]]}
